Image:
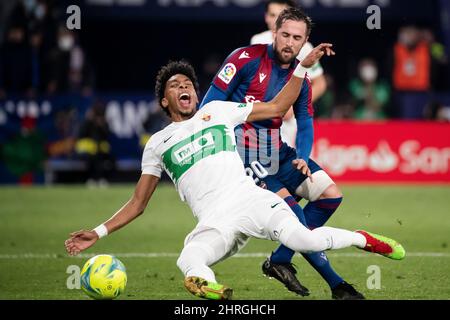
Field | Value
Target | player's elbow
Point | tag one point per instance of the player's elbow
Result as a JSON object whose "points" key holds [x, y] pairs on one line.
{"points": [[276, 110], [281, 112]]}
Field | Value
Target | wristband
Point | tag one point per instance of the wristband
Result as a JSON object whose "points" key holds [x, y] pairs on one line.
{"points": [[300, 71], [101, 231]]}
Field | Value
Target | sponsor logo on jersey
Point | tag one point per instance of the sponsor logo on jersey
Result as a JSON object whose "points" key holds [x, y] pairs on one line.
{"points": [[242, 105], [250, 99], [206, 117], [244, 55], [227, 73], [262, 76], [183, 155], [195, 146]]}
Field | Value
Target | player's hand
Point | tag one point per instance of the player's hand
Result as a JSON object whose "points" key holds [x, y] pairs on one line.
{"points": [[79, 241], [318, 52], [302, 166]]}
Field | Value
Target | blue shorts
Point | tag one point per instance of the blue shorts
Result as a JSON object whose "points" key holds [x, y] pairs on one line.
{"points": [[287, 176]]}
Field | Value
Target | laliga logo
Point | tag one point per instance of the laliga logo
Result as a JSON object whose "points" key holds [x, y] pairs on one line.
{"points": [[338, 158], [229, 71]]}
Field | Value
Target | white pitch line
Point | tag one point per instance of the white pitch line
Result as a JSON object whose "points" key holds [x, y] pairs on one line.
{"points": [[175, 255]]}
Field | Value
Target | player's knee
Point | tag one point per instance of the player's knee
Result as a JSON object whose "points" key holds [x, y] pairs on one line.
{"points": [[332, 192], [315, 243]]}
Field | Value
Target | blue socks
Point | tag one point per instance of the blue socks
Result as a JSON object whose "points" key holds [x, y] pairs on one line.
{"points": [[316, 214], [320, 262]]}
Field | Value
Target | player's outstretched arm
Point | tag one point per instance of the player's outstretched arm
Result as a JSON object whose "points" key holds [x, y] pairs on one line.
{"points": [[279, 105], [84, 239]]}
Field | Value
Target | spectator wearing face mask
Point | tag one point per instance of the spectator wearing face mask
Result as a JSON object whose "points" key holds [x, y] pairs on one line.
{"points": [[68, 67], [411, 73], [369, 94]]}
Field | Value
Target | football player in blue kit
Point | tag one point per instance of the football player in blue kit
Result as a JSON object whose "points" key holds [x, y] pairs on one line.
{"points": [[257, 73]]}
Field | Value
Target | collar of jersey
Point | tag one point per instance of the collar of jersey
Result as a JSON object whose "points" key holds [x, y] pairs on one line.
{"points": [[179, 123]]}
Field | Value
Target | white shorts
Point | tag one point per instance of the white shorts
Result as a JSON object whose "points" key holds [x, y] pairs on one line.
{"points": [[288, 131], [248, 213]]}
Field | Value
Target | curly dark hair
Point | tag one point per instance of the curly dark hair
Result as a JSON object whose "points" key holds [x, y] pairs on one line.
{"points": [[296, 14], [167, 71]]}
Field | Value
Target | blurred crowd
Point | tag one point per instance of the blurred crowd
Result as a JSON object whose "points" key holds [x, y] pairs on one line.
{"points": [[39, 55]]}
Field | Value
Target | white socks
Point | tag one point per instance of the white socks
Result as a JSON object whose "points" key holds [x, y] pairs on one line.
{"points": [[193, 261], [297, 237]]}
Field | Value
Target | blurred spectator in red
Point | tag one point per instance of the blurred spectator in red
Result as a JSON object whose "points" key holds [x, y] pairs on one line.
{"points": [[411, 73], [68, 68], [439, 62], [93, 146], [369, 95]]}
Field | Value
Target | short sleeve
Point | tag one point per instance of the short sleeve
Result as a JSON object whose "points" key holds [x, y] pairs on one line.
{"points": [[236, 113], [233, 70], [151, 162]]}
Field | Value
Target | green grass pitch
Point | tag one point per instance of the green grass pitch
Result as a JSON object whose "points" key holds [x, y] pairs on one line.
{"points": [[34, 222]]}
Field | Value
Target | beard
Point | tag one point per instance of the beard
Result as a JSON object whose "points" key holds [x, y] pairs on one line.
{"points": [[285, 59]]}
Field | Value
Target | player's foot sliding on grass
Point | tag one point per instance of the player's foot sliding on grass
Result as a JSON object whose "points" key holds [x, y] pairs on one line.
{"points": [[198, 151]]}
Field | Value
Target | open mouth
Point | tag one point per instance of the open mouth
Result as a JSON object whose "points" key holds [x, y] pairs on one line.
{"points": [[185, 99]]}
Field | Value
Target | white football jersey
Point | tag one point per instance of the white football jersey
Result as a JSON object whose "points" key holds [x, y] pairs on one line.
{"points": [[266, 37], [200, 155]]}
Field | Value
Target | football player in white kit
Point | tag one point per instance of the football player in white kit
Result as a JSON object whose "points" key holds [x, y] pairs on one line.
{"points": [[198, 151]]}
